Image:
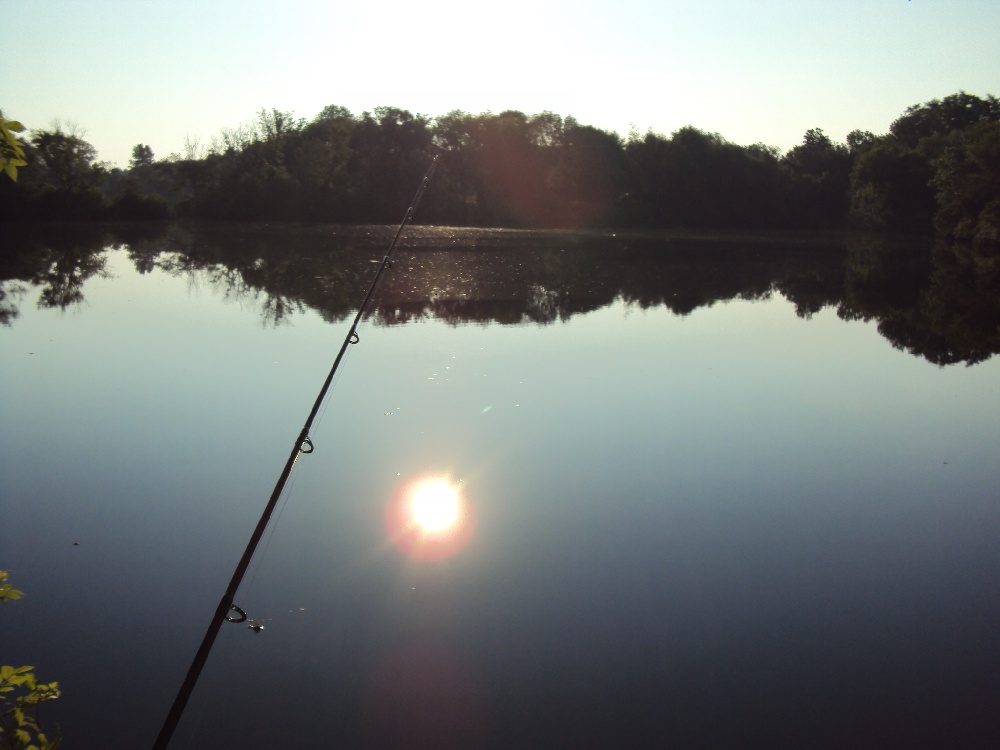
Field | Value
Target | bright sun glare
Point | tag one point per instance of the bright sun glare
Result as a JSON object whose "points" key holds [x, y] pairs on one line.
{"points": [[435, 506], [429, 518]]}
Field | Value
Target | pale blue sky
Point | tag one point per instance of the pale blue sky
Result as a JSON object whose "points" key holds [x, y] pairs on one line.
{"points": [[751, 70]]}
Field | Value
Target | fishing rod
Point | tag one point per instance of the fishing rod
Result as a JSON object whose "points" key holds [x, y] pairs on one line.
{"points": [[303, 444]]}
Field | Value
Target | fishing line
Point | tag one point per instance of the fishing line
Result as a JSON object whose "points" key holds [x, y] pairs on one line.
{"points": [[227, 609]]}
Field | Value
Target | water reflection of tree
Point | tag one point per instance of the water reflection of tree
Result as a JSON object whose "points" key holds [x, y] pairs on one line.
{"points": [[11, 294], [940, 303], [962, 304], [55, 261], [942, 306], [688, 275], [58, 259], [281, 273], [62, 280]]}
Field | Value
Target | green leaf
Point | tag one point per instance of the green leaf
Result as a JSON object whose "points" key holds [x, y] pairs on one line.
{"points": [[15, 126], [8, 592]]}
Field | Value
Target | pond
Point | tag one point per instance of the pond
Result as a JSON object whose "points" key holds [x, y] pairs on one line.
{"points": [[684, 490]]}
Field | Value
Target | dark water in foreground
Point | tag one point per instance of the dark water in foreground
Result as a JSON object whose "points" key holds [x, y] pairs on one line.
{"points": [[717, 493]]}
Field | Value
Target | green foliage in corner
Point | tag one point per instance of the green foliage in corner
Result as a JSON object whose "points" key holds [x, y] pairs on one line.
{"points": [[11, 149], [20, 696], [7, 592]]}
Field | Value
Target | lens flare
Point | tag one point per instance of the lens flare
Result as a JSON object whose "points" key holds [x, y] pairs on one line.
{"points": [[429, 518]]}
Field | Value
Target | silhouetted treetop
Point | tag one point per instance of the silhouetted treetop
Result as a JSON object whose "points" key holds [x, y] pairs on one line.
{"points": [[142, 156], [940, 117]]}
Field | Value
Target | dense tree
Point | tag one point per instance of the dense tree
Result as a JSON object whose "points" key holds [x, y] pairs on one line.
{"points": [[391, 149], [668, 178], [318, 162], [334, 112], [821, 172], [940, 117], [68, 159], [68, 177], [589, 175], [510, 171], [859, 140], [890, 188], [142, 156], [922, 173], [699, 179], [967, 184], [816, 156]]}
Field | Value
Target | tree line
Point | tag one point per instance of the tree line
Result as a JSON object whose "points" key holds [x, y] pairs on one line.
{"points": [[937, 169]]}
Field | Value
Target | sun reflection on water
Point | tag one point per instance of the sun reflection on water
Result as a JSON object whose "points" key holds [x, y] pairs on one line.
{"points": [[429, 518]]}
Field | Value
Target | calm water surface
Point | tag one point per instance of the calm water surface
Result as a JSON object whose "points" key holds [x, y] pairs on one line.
{"points": [[718, 494]]}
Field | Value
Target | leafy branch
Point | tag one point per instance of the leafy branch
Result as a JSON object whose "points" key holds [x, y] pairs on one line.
{"points": [[20, 695], [11, 151], [7, 592]]}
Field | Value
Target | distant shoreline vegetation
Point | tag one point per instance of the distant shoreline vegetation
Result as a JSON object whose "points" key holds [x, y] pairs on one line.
{"points": [[936, 171]]}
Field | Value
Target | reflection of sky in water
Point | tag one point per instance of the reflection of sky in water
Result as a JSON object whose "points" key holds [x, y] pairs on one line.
{"points": [[700, 527]]}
